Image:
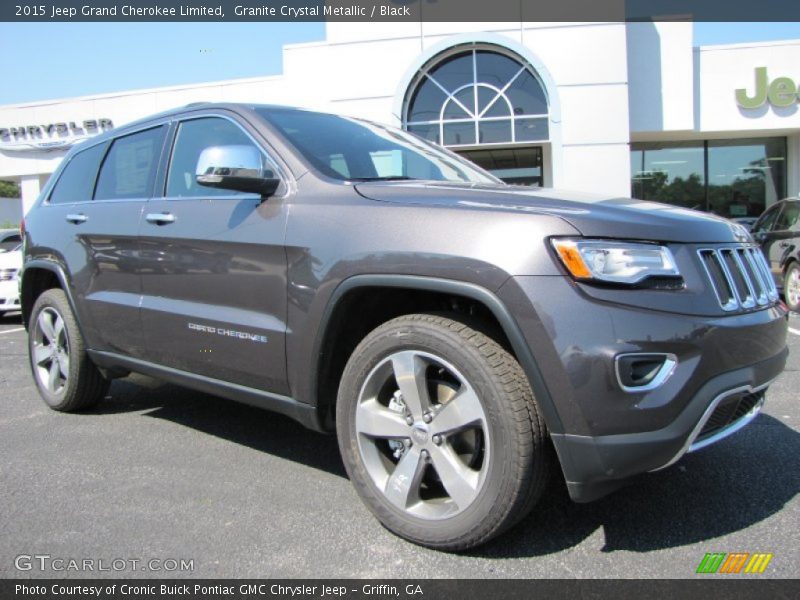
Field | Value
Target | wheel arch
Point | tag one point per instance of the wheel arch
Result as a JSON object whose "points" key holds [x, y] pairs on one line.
{"points": [[39, 276], [473, 292]]}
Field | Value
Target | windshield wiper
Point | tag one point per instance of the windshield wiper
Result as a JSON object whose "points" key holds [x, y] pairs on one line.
{"points": [[386, 178]]}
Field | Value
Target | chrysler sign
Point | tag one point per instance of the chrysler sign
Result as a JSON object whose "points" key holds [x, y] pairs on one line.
{"points": [[50, 136]]}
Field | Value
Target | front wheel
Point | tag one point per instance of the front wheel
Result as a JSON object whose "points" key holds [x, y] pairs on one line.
{"points": [[66, 377], [791, 287], [440, 433]]}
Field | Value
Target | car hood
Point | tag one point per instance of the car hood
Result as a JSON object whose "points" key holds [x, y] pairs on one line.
{"points": [[591, 214], [11, 260]]}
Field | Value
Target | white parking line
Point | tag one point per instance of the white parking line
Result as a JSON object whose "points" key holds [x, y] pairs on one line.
{"points": [[794, 331], [23, 329]]}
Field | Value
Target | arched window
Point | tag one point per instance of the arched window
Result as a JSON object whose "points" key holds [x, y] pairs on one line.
{"points": [[484, 95]]}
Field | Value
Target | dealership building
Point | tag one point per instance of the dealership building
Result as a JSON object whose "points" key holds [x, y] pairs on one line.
{"points": [[615, 108]]}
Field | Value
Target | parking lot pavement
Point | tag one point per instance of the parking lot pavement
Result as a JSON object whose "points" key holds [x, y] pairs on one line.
{"points": [[159, 472]]}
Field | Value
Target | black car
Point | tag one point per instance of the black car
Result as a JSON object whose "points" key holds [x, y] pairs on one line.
{"points": [[778, 232]]}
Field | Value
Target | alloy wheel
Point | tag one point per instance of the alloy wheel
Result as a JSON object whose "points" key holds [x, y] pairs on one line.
{"points": [[51, 350], [423, 435], [792, 287]]}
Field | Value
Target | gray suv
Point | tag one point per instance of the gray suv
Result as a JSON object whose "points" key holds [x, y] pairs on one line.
{"points": [[466, 340]]}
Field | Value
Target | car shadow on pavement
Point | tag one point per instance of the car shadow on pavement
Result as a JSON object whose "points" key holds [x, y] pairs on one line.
{"points": [[11, 318], [255, 428], [722, 489]]}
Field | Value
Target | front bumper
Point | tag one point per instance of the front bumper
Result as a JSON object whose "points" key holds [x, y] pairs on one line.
{"points": [[597, 465], [9, 296], [605, 434]]}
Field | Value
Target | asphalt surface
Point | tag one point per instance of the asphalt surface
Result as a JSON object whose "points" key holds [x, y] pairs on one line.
{"points": [[159, 472]]}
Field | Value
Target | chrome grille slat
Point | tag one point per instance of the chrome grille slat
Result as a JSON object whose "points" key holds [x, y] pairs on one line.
{"points": [[747, 281], [763, 288]]}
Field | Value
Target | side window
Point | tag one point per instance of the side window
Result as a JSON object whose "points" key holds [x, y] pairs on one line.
{"points": [[130, 166], [767, 220], [77, 179], [788, 219], [192, 138]]}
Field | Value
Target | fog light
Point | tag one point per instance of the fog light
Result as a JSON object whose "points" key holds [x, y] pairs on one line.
{"points": [[644, 372]]}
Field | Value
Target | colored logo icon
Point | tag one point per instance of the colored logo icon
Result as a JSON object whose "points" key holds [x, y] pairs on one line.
{"points": [[735, 562]]}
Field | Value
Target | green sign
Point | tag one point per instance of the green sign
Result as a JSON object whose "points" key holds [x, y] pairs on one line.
{"points": [[780, 92]]}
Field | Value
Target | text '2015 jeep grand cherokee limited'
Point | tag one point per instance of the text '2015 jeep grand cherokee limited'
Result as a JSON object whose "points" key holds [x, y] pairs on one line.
{"points": [[451, 329]]}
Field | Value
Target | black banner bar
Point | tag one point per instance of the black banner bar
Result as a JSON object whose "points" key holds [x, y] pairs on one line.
{"points": [[488, 11], [711, 588]]}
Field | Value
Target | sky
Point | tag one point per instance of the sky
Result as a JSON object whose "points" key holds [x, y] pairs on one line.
{"points": [[61, 60]]}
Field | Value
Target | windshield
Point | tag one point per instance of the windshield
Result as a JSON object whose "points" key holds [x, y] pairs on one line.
{"points": [[353, 150]]}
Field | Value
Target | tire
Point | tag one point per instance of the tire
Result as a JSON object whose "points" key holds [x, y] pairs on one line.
{"points": [[66, 378], [791, 287], [468, 470]]}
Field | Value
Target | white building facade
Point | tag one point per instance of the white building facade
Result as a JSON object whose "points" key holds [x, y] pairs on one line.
{"points": [[613, 108]]}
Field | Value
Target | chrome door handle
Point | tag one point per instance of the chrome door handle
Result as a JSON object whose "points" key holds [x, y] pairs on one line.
{"points": [[160, 218], [77, 218]]}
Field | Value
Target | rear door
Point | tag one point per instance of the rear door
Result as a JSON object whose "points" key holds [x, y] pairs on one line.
{"points": [[107, 229], [214, 268]]}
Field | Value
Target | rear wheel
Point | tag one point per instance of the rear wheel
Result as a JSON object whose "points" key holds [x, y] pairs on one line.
{"points": [[440, 432], [791, 287], [66, 378]]}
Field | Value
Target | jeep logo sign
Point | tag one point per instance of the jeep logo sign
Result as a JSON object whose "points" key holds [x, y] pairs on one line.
{"points": [[780, 92]]}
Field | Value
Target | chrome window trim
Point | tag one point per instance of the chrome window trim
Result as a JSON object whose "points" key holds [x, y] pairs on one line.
{"points": [[117, 134]]}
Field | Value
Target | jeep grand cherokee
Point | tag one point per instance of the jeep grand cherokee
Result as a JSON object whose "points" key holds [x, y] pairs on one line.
{"points": [[452, 330]]}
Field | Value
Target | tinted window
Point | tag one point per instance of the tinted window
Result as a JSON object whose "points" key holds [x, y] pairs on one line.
{"points": [[789, 217], [193, 137], [766, 220], [130, 166], [77, 179]]}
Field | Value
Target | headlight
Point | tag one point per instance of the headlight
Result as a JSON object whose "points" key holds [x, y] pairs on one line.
{"points": [[615, 262]]}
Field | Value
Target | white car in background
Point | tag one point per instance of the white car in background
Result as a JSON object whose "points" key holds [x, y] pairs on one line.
{"points": [[10, 265]]}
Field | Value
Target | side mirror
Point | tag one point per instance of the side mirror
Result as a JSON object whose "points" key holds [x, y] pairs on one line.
{"points": [[238, 168]]}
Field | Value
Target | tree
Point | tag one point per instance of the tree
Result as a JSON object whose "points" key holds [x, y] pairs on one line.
{"points": [[9, 189]]}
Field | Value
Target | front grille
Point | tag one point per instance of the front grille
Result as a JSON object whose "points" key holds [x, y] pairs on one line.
{"points": [[740, 277], [728, 412], [8, 274]]}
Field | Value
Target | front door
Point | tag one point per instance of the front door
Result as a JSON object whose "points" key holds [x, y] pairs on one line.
{"points": [[214, 270]]}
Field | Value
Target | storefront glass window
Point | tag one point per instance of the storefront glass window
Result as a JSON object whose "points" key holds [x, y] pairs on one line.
{"points": [[671, 173], [733, 178], [745, 176]]}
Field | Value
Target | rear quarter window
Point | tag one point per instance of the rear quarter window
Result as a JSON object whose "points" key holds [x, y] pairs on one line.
{"points": [[76, 182]]}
